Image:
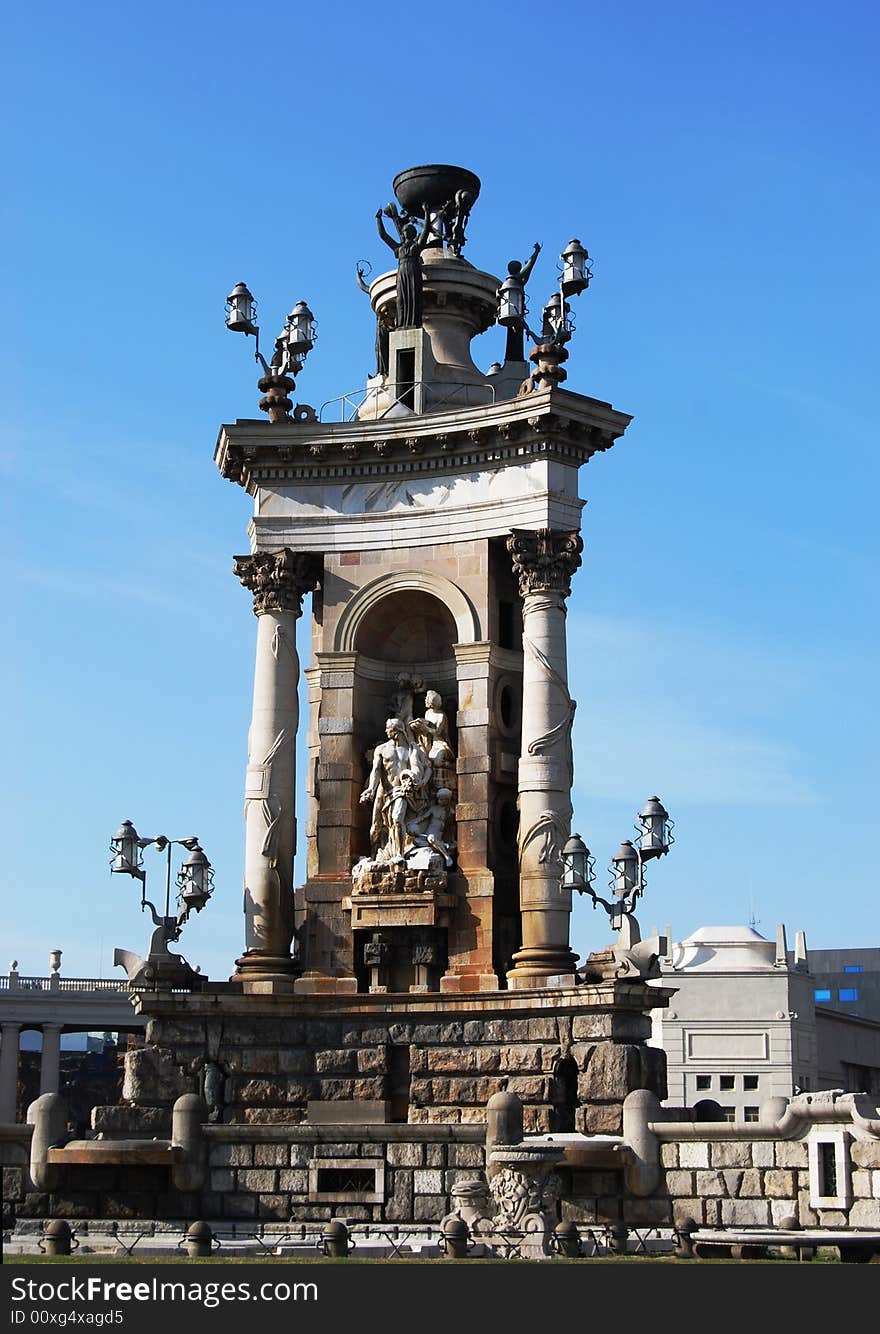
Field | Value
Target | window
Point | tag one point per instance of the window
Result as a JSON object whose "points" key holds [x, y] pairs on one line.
{"points": [[822, 994], [729, 1113], [726, 1082], [848, 994], [704, 1081], [750, 1114], [827, 1170], [750, 1081], [853, 968]]}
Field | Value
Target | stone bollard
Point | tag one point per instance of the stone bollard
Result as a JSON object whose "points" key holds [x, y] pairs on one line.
{"points": [[187, 1119], [504, 1120], [619, 1238], [58, 1238], [48, 1116], [684, 1247], [335, 1241], [199, 1241], [790, 1224], [454, 1239], [566, 1240]]}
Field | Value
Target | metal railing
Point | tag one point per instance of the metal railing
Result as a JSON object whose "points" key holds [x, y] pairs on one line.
{"points": [[353, 401]]}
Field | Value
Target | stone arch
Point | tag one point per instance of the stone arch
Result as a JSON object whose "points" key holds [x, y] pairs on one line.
{"points": [[367, 598]]}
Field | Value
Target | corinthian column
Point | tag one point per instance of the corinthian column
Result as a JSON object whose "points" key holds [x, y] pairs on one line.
{"points": [[278, 581], [544, 562]]}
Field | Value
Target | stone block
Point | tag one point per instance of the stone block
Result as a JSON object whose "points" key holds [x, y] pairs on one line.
{"points": [[780, 1209], [779, 1183], [399, 1196], [270, 1155], [428, 1181], [865, 1153], [729, 1153], [273, 1116], [791, 1153], [832, 1218], [669, 1156], [273, 1206], [763, 1153], [435, 1155], [712, 1212], [372, 1061], [452, 1060], [613, 1071], [488, 1060], [137, 1122], [466, 1155], [685, 1209], [680, 1184], [745, 1213], [337, 1149], [603, 1119], [543, 1030], [504, 1031], [462, 1090], [648, 1212], [300, 1155], [710, 1183], [806, 1216], [405, 1154], [13, 1184], [333, 1090], [486, 1088], [295, 1061], [336, 1061], [239, 1205], [531, 1088], [442, 1115], [751, 1184], [295, 1181], [251, 1179], [474, 1030], [865, 1213], [232, 1155], [222, 1179], [429, 1208], [693, 1153], [258, 1061]]}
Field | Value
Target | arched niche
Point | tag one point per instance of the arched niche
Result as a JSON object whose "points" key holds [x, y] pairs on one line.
{"points": [[364, 611]]}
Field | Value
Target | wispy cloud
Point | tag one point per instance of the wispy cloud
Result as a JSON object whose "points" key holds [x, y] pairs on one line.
{"points": [[684, 711]]}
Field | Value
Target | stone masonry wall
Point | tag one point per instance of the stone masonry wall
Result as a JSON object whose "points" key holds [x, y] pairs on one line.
{"points": [[274, 1067]]}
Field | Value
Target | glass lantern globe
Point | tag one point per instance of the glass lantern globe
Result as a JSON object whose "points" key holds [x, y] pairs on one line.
{"points": [[241, 310]]}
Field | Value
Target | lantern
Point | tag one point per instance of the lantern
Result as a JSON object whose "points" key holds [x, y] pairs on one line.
{"points": [[577, 865], [625, 870], [300, 331], [241, 310], [556, 326], [511, 302], [126, 848], [196, 881], [576, 272], [654, 828]]}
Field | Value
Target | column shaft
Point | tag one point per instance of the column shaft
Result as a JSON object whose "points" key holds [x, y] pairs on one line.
{"points": [[50, 1061], [544, 562], [278, 581], [9, 1072]]}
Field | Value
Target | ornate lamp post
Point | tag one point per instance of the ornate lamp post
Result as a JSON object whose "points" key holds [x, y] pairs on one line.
{"points": [[195, 885], [557, 327], [627, 883], [292, 346]]}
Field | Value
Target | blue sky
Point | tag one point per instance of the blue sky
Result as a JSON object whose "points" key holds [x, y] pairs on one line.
{"points": [[719, 160]]}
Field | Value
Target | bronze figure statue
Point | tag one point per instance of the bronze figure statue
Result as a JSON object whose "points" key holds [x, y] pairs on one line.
{"points": [[408, 251]]}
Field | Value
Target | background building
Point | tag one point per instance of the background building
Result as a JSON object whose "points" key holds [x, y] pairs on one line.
{"points": [[745, 1025]]}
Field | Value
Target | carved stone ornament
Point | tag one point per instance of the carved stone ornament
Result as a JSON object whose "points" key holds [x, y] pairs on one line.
{"points": [[544, 560], [278, 579]]}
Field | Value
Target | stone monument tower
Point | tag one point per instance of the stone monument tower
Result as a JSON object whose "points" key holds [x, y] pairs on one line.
{"points": [[437, 529]]}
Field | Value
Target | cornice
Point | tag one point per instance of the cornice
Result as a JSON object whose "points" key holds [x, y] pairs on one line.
{"points": [[553, 423]]}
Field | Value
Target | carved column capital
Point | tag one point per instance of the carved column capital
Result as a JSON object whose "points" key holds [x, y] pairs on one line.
{"points": [[544, 560], [278, 579]]}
